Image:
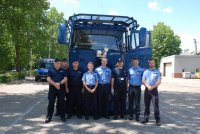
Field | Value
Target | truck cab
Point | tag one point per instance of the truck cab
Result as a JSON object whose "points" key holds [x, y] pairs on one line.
{"points": [[90, 37], [43, 65]]}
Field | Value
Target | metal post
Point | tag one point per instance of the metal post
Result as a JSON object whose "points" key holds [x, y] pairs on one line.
{"points": [[31, 61], [195, 45], [49, 49]]}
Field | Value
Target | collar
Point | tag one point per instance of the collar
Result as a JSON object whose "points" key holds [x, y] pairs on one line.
{"points": [[152, 69], [57, 69], [135, 67], [103, 67], [90, 72]]}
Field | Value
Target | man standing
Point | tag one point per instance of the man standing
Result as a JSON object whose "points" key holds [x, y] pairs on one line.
{"points": [[104, 74], [134, 94], [65, 66], [57, 77], [151, 80], [75, 85], [118, 89]]}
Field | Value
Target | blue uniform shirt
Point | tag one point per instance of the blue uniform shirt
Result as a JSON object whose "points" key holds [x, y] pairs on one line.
{"points": [[57, 75], [104, 74], [135, 75], [119, 76], [151, 76], [90, 78], [75, 78]]}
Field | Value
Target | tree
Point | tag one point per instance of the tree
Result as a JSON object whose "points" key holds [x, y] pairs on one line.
{"points": [[55, 18], [23, 21], [164, 42]]}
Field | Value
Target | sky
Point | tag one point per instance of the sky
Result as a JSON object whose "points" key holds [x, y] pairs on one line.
{"points": [[183, 16]]}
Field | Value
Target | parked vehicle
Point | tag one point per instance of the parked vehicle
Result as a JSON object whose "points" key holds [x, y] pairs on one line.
{"points": [[44, 65]]}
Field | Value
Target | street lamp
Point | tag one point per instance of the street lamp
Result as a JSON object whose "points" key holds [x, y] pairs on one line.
{"points": [[195, 45]]}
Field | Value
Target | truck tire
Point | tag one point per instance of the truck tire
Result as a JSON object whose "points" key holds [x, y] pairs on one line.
{"points": [[36, 78]]}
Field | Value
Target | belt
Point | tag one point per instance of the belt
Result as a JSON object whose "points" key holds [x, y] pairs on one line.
{"points": [[135, 85], [105, 84], [90, 85]]}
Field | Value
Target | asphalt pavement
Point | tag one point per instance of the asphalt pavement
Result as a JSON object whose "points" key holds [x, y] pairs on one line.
{"points": [[23, 107]]}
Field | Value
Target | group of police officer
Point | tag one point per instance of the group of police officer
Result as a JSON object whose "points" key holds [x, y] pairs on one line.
{"points": [[89, 93]]}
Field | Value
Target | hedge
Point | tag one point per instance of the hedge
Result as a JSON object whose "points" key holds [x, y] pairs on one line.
{"points": [[4, 78]]}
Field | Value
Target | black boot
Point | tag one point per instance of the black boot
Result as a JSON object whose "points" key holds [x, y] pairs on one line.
{"points": [[145, 120]]}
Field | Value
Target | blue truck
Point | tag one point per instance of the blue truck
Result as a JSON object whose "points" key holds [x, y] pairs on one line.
{"points": [[91, 37], [43, 65]]}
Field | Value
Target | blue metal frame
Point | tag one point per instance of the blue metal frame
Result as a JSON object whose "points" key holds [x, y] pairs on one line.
{"points": [[106, 22]]}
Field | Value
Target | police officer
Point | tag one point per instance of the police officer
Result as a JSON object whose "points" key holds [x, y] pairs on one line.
{"points": [[56, 78], [118, 89], [151, 80], [134, 93], [90, 83], [103, 90], [65, 66], [75, 86]]}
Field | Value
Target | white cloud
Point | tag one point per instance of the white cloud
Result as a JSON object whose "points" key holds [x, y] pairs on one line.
{"points": [[73, 2], [167, 10], [113, 12], [153, 5]]}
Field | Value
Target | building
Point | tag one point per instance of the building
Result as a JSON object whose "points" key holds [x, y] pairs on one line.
{"points": [[175, 65]]}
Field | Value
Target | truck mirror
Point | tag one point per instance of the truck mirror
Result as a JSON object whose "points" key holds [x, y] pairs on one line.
{"points": [[142, 37], [62, 33]]}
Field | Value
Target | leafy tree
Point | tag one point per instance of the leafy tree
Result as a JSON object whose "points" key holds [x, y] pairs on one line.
{"points": [[164, 42], [24, 22], [55, 18]]}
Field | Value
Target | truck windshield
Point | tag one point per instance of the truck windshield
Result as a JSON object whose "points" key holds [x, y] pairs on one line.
{"points": [[46, 65], [95, 42], [97, 39]]}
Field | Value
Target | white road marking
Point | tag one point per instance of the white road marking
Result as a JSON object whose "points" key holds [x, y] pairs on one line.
{"points": [[23, 115]]}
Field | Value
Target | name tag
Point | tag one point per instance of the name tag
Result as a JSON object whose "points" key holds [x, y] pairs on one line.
{"points": [[121, 78]]}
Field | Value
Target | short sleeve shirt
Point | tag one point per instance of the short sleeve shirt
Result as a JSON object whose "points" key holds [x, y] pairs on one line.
{"points": [[135, 75], [57, 75], [90, 78], [151, 76], [75, 78], [119, 76], [104, 74]]}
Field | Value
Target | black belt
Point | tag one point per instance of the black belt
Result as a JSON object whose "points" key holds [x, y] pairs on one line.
{"points": [[135, 85], [106, 84], [90, 85]]}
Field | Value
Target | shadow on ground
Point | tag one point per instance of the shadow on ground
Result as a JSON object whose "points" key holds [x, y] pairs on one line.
{"points": [[179, 114]]}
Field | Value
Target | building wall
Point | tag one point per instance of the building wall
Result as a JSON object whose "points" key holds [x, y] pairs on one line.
{"points": [[180, 63], [187, 63]]}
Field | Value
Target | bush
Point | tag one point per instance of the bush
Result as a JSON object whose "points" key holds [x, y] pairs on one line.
{"points": [[4, 78]]}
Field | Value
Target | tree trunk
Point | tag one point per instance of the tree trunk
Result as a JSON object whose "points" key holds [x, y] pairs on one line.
{"points": [[17, 53]]}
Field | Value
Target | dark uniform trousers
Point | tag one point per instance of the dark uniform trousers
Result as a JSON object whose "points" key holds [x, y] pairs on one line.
{"points": [[103, 93], [119, 100], [60, 94], [148, 97], [90, 102], [75, 99], [66, 102], [134, 97]]}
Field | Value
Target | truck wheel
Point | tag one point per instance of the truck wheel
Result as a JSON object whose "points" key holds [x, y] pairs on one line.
{"points": [[36, 78]]}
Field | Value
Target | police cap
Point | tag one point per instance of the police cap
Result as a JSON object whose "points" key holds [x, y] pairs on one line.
{"points": [[57, 60], [120, 60]]}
